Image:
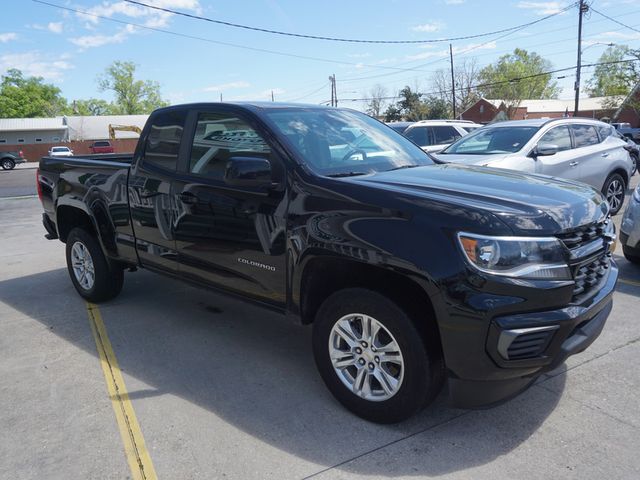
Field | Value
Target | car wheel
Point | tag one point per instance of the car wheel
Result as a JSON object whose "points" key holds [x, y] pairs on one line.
{"points": [[631, 255], [372, 357], [8, 164], [634, 163], [614, 190], [93, 276]]}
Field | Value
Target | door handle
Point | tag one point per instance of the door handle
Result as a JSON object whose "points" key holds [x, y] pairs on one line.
{"points": [[574, 164], [188, 198], [605, 154]]}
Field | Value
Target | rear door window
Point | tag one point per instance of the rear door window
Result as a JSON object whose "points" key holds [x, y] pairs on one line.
{"points": [[418, 135], [163, 141], [584, 135]]}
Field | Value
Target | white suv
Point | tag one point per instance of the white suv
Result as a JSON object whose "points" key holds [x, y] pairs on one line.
{"points": [[434, 135], [573, 148], [60, 152]]}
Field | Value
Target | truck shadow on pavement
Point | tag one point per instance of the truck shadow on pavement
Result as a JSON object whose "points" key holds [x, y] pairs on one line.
{"points": [[254, 371]]}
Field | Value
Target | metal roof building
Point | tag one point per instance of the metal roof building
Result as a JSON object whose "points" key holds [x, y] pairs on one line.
{"points": [[97, 127]]}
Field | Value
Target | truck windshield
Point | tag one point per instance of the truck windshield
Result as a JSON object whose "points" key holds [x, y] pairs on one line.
{"points": [[335, 142], [492, 140]]}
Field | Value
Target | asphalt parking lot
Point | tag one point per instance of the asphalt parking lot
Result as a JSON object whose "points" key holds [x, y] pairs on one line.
{"points": [[219, 389]]}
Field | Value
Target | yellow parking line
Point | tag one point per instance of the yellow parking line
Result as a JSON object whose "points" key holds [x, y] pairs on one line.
{"points": [[629, 282], [134, 447]]}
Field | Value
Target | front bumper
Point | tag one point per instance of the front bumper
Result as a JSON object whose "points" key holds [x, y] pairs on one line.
{"points": [[569, 330]]}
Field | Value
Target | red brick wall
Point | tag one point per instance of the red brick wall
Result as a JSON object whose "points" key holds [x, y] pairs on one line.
{"points": [[474, 114], [33, 153]]}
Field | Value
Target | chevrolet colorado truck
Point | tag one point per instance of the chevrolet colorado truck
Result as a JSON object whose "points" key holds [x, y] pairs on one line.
{"points": [[411, 274]]}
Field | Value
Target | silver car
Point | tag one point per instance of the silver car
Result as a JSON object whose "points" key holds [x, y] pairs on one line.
{"points": [[630, 228], [573, 148]]}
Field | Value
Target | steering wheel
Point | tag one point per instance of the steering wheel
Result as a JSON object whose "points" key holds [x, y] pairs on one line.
{"points": [[351, 153]]}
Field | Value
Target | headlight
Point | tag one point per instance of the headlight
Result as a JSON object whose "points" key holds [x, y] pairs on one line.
{"points": [[636, 194], [516, 257]]}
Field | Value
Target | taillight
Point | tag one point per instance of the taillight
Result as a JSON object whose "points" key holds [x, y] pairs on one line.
{"points": [[38, 186]]}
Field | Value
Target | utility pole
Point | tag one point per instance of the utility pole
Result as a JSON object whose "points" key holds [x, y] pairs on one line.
{"points": [[334, 94], [272, 99], [220, 97], [582, 9], [453, 83]]}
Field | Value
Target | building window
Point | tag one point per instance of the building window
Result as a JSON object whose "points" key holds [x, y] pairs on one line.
{"points": [[55, 139], [481, 108], [21, 140], [2, 140], [38, 140]]}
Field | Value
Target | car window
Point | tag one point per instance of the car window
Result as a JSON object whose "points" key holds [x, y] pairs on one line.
{"points": [[59, 149], [444, 134], [470, 129], [584, 135], [419, 136], [163, 141], [605, 131], [492, 140], [220, 136], [101, 144], [558, 136]]}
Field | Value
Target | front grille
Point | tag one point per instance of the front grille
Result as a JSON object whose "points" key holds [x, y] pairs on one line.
{"points": [[582, 235], [529, 345], [589, 275]]}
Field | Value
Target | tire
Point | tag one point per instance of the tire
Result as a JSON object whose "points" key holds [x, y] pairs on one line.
{"points": [[411, 384], [83, 250], [8, 164], [634, 159], [614, 190], [631, 255]]}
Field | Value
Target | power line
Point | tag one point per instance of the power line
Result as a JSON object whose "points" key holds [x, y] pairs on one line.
{"points": [[338, 39], [614, 20], [502, 82]]}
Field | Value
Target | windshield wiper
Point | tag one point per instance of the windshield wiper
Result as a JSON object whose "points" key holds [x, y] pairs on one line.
{"points": [[346, 174], [404, 166]]}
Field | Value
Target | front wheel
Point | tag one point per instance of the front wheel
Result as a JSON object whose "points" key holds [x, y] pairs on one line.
{"points": [[634, 163], [93, 276], [372, 357], [614, 190], [8, 164]]}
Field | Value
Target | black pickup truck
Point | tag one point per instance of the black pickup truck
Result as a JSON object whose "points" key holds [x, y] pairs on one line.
{"points": [[8, 160], [411, 273]]}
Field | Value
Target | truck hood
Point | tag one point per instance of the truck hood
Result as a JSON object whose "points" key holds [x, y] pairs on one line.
{"points": [[484, 160], [528, 204]]}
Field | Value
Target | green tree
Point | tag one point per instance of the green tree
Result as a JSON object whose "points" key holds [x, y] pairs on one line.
{"points": [[91, 107], [29, 97], [131, 96], [614, 78], [437, 108], [500, 79]]}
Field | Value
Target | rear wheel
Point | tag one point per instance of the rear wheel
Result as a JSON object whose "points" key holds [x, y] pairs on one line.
{"points": [[8, 164], [614, 191], [631, 255], [93, 276], [634, 163], [372, 358]]}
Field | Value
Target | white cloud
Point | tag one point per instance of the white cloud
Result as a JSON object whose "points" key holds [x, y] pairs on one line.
{"points": [[613, 37], [456, 50], [226, 86], [454, 2], [358, 55], [36, 64], [55, 27], [543, 8], [7, 37], [92, 41], [428, 27]]}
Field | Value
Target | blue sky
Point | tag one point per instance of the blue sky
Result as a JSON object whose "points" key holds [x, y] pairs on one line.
{"points": [[71, 49]]}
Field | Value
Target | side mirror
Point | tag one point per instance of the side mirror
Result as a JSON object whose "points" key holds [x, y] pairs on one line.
{"points": [[248, 172], [545, 149]]}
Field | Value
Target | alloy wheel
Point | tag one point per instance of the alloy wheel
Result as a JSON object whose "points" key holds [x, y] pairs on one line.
{"points": [[82, 264], [615, 194], [366, 357]]}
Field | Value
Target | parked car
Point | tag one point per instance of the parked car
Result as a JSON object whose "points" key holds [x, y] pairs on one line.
{"points": [[101, 146], [60, 152], [9, 159], [630, 228], [628, 131], [576, 149], [411, 273], [434, 135], [399, 127], [633, 149]]}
